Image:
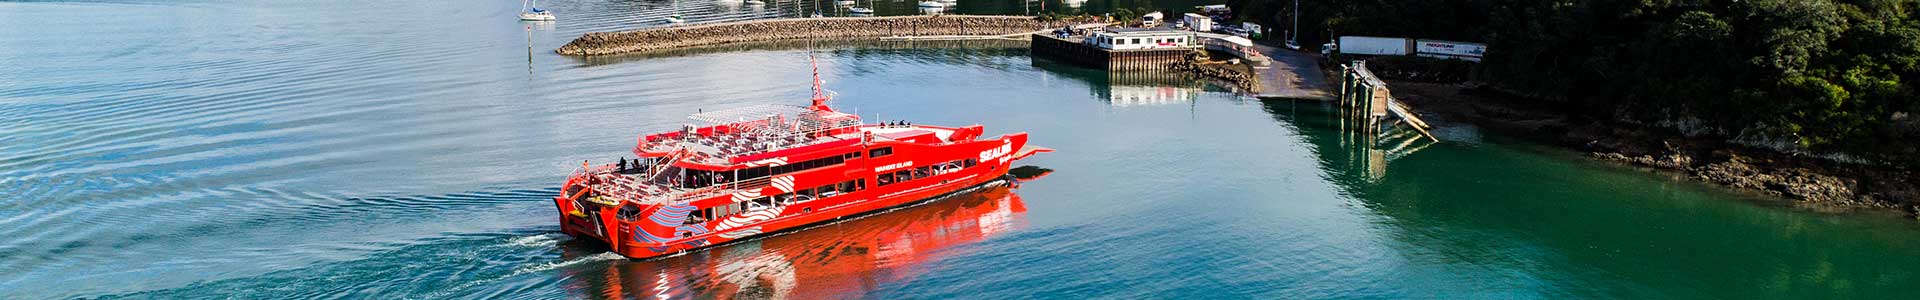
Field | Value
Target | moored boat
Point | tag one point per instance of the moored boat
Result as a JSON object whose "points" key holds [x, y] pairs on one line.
{"points": [[676, 18], [533, 12], [753, 170]]}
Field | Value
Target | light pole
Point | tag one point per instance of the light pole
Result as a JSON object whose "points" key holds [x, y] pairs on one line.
{"points": [[1293, 36]]}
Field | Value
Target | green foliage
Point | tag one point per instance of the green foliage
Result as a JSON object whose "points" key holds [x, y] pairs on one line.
{"points": [[1124, 16], [1828, 75]]}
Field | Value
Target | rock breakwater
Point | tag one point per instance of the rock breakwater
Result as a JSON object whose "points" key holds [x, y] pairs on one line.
{"points": [[667, 38]]}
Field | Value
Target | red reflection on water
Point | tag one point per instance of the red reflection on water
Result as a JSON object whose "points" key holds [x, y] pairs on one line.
{"points": [[842, 260]]}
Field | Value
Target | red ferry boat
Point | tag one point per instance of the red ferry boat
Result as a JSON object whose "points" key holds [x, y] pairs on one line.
{"points": [[755, 170], [892, 247]]}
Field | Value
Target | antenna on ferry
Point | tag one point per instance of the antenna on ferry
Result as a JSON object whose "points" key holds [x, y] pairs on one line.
{"points": [[819, 92]]}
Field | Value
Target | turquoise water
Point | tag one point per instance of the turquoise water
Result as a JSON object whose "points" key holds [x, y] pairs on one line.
{"points": [[289, 149]]}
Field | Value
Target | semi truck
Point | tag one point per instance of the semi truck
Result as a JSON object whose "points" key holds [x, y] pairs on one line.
{"points": [[1368, 45]]}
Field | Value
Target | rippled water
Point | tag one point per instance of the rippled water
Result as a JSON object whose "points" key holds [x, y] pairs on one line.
{"points": [[289, 149]]}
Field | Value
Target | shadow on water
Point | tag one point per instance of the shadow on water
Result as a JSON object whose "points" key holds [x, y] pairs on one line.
{"points": [[836, 261], [1548, 223]]}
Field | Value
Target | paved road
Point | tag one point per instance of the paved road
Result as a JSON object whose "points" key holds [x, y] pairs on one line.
{"points": [[1293, 74]]}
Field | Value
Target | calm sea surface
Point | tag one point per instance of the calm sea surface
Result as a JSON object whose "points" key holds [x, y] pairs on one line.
{"points": [[403, 149]]}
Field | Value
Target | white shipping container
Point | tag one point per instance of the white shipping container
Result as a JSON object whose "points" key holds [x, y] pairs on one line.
{"points": [[1367, 45], [1451, 49], [1199, 23]]}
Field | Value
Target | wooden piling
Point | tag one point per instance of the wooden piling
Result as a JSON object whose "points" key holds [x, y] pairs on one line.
{"points": [[1364, 98]]}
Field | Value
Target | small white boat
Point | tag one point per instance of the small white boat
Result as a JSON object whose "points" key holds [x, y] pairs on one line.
{"points": [[534, 13], [676, 18], [844, 2], [932, 4]]}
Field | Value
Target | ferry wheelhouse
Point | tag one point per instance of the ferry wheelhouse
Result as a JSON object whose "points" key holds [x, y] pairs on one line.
{"points": [[754, 170]]}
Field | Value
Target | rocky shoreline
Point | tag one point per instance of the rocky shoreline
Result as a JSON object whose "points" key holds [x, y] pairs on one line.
{"points": [[1235, 74], [1806, 181], [668, 38]]}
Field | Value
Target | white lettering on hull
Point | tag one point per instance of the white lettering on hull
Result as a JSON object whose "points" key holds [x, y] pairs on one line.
{"points": [[894, 166]]}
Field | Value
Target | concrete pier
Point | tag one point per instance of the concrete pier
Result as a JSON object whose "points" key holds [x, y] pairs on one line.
{"points": [[1291, 75], [668, 38], [1114, 60]]}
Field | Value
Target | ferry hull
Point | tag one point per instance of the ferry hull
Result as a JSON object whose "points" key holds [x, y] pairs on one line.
{"points": [[621, 238]]}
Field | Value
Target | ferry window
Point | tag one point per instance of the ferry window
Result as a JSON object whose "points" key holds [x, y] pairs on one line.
{"points": [[629, 212], [846, 187], [880, 152], [765, 202], [825, 191], [755, 172], [808, 165], [902, 175], [969, 163], [922, 172], [886, 179], [696, 217], [860, 184], [804, 194], [851, 155]]}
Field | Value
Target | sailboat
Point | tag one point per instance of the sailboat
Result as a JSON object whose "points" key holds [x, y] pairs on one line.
{"points": [[676, 18], [534, 13]]}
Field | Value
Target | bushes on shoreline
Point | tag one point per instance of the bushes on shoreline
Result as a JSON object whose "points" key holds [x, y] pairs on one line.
{"points": [[1828, 76]]}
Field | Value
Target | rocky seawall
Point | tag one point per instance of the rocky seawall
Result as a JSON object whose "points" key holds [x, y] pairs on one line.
{"points": [[1234, 74], [668, 38]]}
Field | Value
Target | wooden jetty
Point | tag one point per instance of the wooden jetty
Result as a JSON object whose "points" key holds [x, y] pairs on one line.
{"points": [[1365, 100], [1375, 128]]}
